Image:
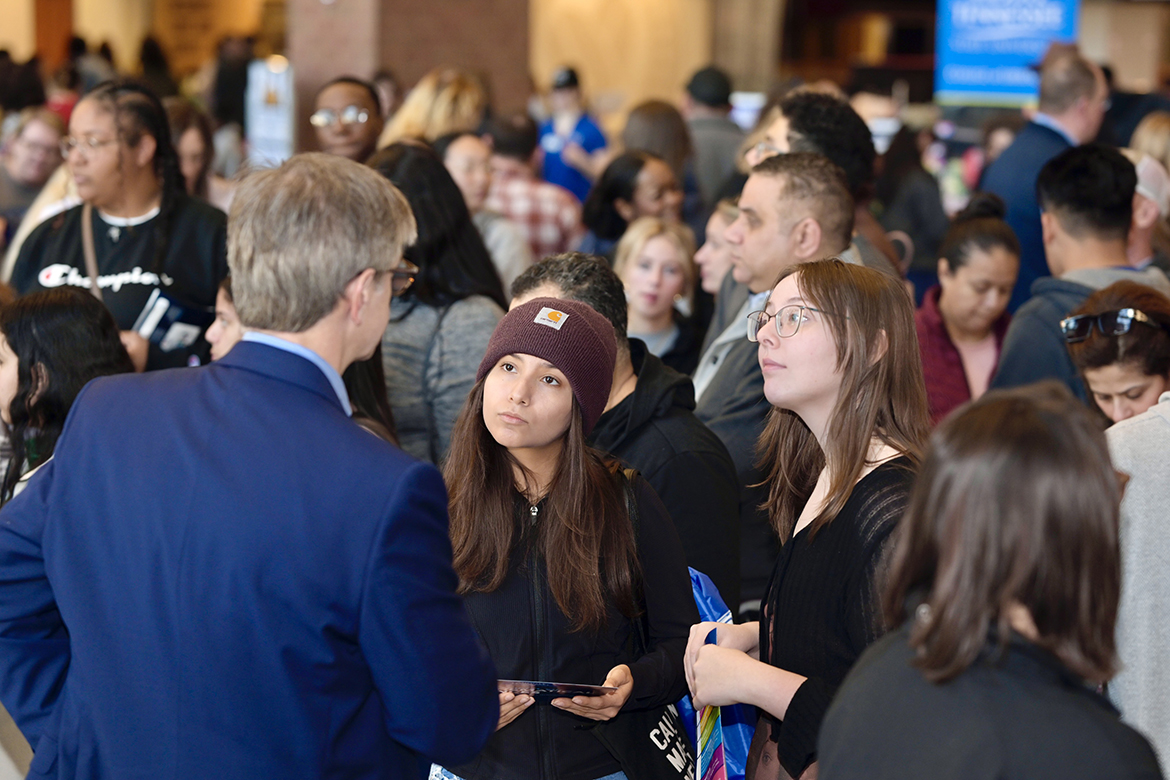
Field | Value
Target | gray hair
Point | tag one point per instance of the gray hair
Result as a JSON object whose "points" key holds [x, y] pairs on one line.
{"points": [[298, 234]]}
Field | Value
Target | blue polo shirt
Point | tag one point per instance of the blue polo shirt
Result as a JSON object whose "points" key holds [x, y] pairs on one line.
{"points": [[588, 136]]}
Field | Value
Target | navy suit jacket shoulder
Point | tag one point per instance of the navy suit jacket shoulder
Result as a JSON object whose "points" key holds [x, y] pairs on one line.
{"points": [[220, 575]]}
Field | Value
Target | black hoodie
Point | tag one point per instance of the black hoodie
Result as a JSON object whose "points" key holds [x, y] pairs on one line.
{"points": [[654, 430]]}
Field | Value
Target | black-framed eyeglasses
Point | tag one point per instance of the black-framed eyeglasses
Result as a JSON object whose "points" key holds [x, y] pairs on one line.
{"points": [[787, 320], [1110, 323], [402, 277], [350, 115]]}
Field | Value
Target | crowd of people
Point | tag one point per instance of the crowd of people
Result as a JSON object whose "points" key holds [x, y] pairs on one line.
{"points": [[592, 378]]}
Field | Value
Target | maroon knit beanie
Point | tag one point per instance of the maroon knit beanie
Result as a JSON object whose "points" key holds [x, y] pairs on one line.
{"points": [[570, 335]]}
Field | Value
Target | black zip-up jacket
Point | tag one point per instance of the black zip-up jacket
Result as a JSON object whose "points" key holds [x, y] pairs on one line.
{"points": [[529, 638], [654, 429]]}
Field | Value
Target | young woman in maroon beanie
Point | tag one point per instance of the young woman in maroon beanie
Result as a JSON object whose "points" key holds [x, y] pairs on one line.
{"points": [[556, 570]]}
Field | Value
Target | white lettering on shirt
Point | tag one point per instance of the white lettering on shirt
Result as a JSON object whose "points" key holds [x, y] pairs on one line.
{"points": [[60, 274]]}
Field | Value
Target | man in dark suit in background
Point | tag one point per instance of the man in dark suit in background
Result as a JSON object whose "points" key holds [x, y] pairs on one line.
{"points": [[219, 574], [1073, 97]]}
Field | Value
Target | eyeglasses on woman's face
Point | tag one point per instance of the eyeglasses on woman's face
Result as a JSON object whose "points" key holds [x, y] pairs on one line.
{"points": [[787, 320], [350, 115], [1110, 323], [88, 145]]}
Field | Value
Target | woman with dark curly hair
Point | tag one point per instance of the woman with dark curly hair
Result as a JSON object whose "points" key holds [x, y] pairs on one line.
{"points": [[636, 184], [440, 327], [51, 344]]}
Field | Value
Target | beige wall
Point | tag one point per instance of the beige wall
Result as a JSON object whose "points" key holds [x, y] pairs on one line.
{"points": [[747, 41], [1132, 37], [626, 51], [17, 33], [124, 23], [190, 29]]}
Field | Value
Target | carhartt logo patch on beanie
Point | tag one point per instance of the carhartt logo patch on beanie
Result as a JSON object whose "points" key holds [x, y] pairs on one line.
{"points": [[551, 317], [570, 335]]}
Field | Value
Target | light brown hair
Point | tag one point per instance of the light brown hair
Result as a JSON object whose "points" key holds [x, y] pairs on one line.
{"points": [[881, 396], [639, 233], [444, 101], [1065, 78], [37, 114], [657, 127], [1152, 137], [1016, 503]]}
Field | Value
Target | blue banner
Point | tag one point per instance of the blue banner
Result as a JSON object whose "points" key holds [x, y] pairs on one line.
{"points": [[986, 48]]}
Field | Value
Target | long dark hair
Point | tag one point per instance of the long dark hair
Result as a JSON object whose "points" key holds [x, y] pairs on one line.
{"points": [[585, 535], [137, 112], [183, 115], [365, 382], [1015, 503], [882, 394], [900, 160], [619, 180], [62, 338], [453, 262]]}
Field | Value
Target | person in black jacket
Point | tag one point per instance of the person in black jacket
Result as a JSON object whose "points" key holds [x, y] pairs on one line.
{"points": [[1004, 584], [649, 423], [148, 235], [843, 375], [560, 556]]}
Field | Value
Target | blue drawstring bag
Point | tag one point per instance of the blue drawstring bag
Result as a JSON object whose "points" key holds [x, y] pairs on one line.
{"points": [[739, 720]]}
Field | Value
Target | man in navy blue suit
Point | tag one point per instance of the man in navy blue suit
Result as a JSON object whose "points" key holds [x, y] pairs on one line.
{"points": [[1073, 97], [219, 574]]}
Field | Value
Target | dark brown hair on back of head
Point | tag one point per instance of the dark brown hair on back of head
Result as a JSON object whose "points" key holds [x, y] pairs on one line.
{"points": [[1015, 503]]}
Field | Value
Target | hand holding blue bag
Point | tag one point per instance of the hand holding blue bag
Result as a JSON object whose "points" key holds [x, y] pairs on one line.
{"points": [[738, 720]]}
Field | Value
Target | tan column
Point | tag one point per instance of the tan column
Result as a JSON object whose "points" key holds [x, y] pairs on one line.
{"points": [[747, 40], [328, 39], [487, 36], [411, 37]]}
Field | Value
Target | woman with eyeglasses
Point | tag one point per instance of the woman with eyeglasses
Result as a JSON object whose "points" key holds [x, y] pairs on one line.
{"points": [[146, 233], [844, 438], [348, 118], [963, 319], [1119, 340], [440, 327]]}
